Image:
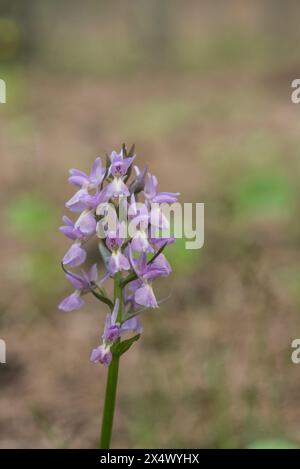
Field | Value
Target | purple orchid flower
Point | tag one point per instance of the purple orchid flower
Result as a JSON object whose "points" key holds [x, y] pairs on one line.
{"points": [[75, 256], [157, 218], [142, 288], [143, 293], [83, 227], [95, 178], [139, 220], [95, 193], [83, 284], [112, 332], [69, 230], [112, 329], [153, 196], [132, 325], [140, 241], [118, 169], [102, 354], [117, 261], [86, 223], [82, 200], [119, 165]]}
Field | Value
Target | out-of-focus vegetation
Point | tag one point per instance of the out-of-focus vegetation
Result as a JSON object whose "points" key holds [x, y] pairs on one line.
{"points": [[203, 89]]}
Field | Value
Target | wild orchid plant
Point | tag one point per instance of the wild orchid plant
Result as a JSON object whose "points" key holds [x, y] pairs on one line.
{"points": [[132, 257]]}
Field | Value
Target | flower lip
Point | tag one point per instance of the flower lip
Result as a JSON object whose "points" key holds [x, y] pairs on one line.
{"points": [[101, 355], [75, 256], [72, 302]]}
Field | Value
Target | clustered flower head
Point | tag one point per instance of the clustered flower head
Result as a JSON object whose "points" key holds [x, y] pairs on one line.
{"points": [[130, 246]]}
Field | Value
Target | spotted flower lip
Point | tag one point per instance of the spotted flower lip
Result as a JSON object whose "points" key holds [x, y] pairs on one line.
{"points": [[118, 169], [101, 355], [117, 261], [119, 165], [117, 188]]}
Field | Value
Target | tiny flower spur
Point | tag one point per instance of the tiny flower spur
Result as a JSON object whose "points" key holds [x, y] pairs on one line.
{"points": [[132, 259]]}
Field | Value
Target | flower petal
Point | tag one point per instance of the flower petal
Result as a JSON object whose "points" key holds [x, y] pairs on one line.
{"points": [[75, 256], [101, 355], [78, 178], [117, 188], [133, 325], [78, 202], [144, 296], [97, 172], [72, 302], [86, 223]]}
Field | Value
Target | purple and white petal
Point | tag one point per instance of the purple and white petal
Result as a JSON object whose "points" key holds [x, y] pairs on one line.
{"points": [[77, 281], [117, 188], [140, 242], [118, 262], [144, 296], [86, 223], [78, 202], [101, 355], [70, 232], [72, 302], [150, 189], [75, 256], [93, 273], [166, 197], [124, 263], [158, 243], [161, 263], [115, 311], [97, 173], [158, 218], [78, 178], [133, 324]]}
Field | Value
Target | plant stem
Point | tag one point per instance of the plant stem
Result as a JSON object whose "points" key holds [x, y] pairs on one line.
{"points": [[112, 381], [110, 401]]}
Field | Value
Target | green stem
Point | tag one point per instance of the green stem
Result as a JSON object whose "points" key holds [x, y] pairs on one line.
{"points": [[112, 381], [110, 402]]}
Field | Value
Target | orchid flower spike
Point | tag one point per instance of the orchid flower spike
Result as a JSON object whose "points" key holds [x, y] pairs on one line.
{"points": [[132, 258]]}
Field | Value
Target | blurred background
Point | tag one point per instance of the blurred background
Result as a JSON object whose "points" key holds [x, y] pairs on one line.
{"points": [[203, 89]]}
